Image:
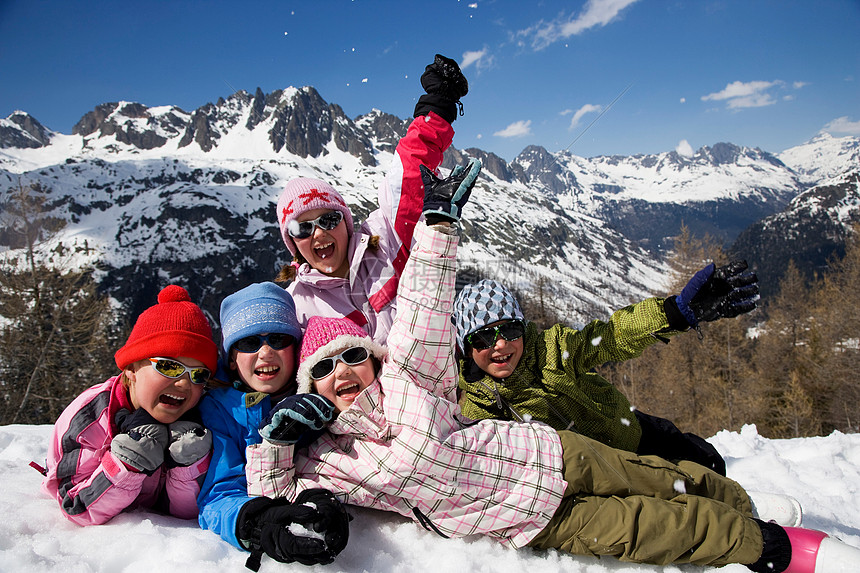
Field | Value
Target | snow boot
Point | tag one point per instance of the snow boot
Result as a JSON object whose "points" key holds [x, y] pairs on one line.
{"points": [[816, 552], [783, 510]]}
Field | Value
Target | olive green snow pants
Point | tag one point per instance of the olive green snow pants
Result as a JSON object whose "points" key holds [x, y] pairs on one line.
{"points": [[645, 509]]}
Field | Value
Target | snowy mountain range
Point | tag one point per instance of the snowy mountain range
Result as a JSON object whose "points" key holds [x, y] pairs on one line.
{"points": [[158, 195]]}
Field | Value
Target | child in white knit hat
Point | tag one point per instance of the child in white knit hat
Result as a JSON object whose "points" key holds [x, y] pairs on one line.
{"points": [[338, 271]]}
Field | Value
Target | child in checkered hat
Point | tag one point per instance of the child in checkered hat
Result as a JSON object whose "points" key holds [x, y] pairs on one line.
{"points": [[136, 439], [339, 271], [397, 443], [513, 370]]}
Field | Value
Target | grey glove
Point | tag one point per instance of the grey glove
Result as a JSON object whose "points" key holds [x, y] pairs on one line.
{"points": [[189, 442], [143, 440]]}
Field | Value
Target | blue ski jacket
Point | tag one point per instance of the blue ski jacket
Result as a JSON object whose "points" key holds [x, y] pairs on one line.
{"points": [[233, 417]]}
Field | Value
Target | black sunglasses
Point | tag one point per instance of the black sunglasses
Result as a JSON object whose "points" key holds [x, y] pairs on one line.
{"points": [[170, 368], [304, 229], [486, 337], [350, 356], [253, 343]]}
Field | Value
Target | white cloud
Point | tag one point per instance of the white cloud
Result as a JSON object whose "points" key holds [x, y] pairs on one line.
{"points": [[738, 95], [798, 85], [843, 125], [595, 13], [683, 100], [587, 108], [516, 129], [482, 59], [470, 58], [684, 148]]}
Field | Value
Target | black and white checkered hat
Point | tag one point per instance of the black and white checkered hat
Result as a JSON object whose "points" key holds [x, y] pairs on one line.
{"points": [[480, 304]]}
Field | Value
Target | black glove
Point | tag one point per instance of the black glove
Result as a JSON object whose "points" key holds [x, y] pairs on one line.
{"points": [[444, 198], [714, 293], [277, 528], [445, 84], [189, 440], [660, 437], [294, 416], [141, 442]]}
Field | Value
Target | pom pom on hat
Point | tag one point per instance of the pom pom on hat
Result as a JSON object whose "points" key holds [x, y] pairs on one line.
{"points": [[480, 304], [327, 336], [304, 194], [173, 328], [261, 308]]}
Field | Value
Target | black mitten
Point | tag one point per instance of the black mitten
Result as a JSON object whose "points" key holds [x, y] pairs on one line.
{"points": [[313, 530], [660, 437], [444, 198], [295, 416], [723, 292], [445, 84]]}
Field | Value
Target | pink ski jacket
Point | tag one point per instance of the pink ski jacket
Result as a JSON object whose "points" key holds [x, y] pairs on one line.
{"points": [[90, 483], [367, 296], [401, 445]]}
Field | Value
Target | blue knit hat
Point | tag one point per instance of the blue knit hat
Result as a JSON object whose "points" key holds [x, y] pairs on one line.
{"points": [[480, 304], [261, 308]]}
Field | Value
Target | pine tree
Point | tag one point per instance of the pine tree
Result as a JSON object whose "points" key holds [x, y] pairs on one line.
{"points": [[56, 327]]}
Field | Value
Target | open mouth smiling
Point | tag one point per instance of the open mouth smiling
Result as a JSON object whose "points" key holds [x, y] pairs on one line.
{"points": [[171, 399], [325, 251], [266, 371], [348, 389], [501, 359]]}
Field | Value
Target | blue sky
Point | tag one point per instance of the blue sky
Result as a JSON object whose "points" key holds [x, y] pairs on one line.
{"points": [[761, 73]]}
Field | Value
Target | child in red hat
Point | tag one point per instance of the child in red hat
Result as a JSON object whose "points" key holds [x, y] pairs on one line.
{"points": [[135, 439]]}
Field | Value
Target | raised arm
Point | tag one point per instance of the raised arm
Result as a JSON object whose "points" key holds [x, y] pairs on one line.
{"points": [[402, 193], [421, 341]]}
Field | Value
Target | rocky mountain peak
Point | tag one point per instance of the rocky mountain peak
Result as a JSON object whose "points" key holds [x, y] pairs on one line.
{"points": [[22, 130]]}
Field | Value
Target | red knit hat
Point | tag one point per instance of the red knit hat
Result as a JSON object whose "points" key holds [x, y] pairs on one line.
{"points": [[326, 336], [172, 328], [304, 194]]}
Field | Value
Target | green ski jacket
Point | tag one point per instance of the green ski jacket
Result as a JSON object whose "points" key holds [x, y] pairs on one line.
{"points": [[553, 382]]}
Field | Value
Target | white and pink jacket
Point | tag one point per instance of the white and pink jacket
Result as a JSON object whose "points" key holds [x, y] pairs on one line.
{"points": [[367, 296], [91, 484], [400, 446]]}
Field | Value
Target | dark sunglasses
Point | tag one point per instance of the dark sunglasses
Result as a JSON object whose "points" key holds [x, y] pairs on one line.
{"points": [[350, 356], [304, 229], [170, 368], [486, 337], [253, 343]]}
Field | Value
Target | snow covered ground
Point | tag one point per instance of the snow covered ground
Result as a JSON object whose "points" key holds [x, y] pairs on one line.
{"points": [[823, 473]]}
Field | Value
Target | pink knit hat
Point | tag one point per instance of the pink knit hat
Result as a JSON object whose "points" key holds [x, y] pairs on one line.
{"points": [[326, 336], [303, 194]]}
